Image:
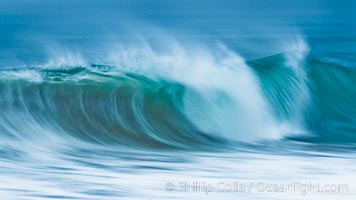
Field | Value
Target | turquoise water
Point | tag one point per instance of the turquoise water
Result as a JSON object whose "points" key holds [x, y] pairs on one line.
{"points": [[177, 99]]}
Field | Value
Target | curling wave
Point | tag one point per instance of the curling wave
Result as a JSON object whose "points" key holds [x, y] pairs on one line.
{"points": [[181, 101]]}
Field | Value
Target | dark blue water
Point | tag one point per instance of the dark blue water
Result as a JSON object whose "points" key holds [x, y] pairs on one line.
{"points": [[177, 99], [252, 28]]}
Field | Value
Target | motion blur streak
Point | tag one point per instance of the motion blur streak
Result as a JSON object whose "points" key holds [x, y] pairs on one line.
{"points": [[127, 99]]}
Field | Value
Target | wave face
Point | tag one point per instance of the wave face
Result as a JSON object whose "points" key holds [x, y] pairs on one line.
{"points": [[185, 100], [127, 109]]}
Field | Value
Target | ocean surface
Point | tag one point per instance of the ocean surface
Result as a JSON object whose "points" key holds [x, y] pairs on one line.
{"points": [[178, 99]]}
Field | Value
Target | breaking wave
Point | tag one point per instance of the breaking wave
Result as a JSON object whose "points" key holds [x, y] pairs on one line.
{"points": [[188, 98]]}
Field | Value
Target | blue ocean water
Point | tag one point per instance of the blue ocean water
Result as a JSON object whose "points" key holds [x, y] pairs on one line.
{"points": [[177, 99]]}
